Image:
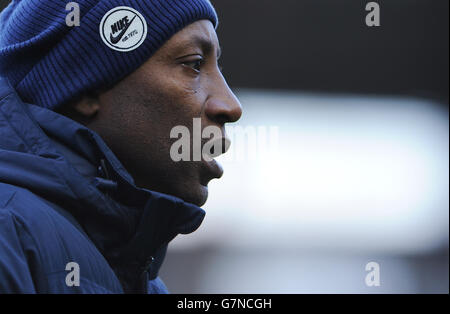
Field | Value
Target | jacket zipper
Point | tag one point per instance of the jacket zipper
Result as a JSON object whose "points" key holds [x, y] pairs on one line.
{"points": [[145, 274]]}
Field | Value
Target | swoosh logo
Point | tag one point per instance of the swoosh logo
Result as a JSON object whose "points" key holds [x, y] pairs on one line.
{"points": [[115, 39]]}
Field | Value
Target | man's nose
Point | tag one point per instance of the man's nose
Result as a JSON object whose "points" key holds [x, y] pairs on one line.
{"points": [[223, 106]]}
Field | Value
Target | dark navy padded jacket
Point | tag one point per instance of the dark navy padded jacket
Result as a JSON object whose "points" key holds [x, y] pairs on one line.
{"points": [[65, 198]]}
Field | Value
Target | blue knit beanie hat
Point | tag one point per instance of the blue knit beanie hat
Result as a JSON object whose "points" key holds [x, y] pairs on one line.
{"points": [[50, 61]]}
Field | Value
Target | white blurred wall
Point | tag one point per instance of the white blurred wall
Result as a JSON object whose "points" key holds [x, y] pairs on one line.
{"points": [[350, 180]]}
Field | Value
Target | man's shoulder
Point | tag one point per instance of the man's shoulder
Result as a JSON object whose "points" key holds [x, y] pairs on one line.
{"points": [[37, 220], [48, 224], [49, 241], [23, 205]]}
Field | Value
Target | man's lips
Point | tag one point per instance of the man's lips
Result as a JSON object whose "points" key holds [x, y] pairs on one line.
{"points": [[223, 143], [213, 168]]}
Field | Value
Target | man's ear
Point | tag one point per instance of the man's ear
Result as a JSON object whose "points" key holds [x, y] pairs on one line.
{"points": [[83, 110], [87, 106]]}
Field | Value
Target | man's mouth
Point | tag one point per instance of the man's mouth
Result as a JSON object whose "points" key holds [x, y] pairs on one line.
{"points": [[211, 170], [214, 168], [218, 147]]}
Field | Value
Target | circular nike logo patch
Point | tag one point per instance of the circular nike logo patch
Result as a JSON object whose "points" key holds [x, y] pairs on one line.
{"points": [[123, 29]]}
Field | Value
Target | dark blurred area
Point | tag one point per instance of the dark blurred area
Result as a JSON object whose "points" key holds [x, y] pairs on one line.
{"points": [[325, 46], [3, 4]]}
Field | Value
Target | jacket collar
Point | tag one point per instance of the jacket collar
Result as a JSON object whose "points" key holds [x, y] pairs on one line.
{"points": [[71, 165]]}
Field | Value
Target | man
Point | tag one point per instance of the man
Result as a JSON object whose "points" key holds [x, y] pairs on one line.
{"points": [[90, 92]]}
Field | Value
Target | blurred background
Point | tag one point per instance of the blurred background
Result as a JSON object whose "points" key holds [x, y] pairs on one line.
{"points": [[341, 157]]}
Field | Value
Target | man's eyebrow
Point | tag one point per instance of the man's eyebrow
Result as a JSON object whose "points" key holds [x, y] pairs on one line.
{"points": [[205, 44]]}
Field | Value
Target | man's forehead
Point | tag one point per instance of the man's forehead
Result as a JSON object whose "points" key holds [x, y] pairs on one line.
{"points": [[197, 35]]}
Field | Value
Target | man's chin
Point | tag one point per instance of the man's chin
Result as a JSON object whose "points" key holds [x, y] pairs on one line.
{"points": [[194, 193], [197, 195]]}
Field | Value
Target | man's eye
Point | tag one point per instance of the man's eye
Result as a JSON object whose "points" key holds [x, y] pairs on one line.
{"points": [[195, 64]]}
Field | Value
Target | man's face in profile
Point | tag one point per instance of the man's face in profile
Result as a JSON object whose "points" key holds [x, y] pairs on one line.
{"points": [[181, 81]]}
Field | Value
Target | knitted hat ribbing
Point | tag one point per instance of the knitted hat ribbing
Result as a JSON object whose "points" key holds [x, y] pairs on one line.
{"points": [[49, 63]]}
